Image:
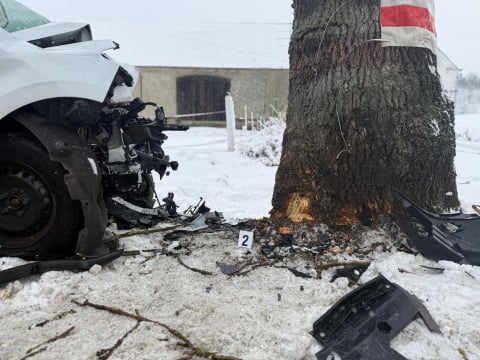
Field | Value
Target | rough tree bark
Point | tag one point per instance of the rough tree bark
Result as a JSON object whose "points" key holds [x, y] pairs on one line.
{"points": [[364, 122]]}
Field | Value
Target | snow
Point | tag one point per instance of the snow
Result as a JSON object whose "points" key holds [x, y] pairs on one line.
{"points": [[218, 33], [265, 314], [264, 46], [198, 33], [238, 186], [468, 152]]}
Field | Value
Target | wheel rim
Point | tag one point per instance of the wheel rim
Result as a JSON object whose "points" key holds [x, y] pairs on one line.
{"points": [[27, 206]]}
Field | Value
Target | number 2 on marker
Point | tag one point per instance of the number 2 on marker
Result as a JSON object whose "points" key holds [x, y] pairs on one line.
{"points": [[245, 239]]}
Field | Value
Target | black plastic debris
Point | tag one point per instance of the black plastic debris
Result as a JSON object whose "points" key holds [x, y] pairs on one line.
{"points": [[432, 269], [169, 205], [361, 325], [228, 269], [442, 237], [286, 240], [267, 249], [40, 267], [351, 272], [299, 273]]}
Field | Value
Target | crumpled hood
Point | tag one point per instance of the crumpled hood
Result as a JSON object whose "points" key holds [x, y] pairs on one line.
{"points": [[55, 29], [29, 73]]}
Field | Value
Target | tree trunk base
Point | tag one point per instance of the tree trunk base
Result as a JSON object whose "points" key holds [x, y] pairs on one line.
{"points": [[344, 238]]}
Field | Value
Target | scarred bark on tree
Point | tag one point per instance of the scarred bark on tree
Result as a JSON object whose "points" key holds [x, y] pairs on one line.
{"points": [[364, 122]]}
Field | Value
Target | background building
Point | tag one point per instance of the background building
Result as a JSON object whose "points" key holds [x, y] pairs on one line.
{"points": [[264, 91], [189, 90], [449, 74], [207, 43]]}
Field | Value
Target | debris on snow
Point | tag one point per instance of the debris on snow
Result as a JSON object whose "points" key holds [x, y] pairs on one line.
{"points": [[362, 324], [249, 304], [452, 237]]}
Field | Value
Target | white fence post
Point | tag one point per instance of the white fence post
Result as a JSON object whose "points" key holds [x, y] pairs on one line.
{"points": [[246, 117], [230, 114]]}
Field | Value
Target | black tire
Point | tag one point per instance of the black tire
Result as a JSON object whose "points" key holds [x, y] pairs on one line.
{"points": [[38, 218]]}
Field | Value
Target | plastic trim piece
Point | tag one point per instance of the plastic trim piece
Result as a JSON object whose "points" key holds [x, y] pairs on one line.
{"points": [[443, 237], [40, 267], [361, 325]]}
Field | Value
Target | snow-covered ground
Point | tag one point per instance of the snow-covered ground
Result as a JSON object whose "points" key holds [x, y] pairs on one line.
{"points": [[265, 314], [467, 160]]}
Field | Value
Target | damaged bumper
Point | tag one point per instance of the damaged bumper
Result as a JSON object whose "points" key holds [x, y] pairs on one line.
{"points": [[442, 237], [361, 325]]}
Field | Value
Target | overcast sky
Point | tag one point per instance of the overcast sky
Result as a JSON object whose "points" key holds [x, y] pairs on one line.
{"points": [[457, 20], [459, 32]]}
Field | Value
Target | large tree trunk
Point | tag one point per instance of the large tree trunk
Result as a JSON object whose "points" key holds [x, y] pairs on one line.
{"points": [[364, 122]]}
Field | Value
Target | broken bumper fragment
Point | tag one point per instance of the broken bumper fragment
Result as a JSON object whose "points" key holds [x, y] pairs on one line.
{"points": [[361, 325], [40, 267], [442, 237]]}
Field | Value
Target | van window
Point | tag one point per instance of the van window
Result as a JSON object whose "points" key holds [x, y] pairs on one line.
{"points": [[19, 17], [3, 17]]}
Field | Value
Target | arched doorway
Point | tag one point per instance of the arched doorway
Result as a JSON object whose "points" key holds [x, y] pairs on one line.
{"points": [[202, 94]]}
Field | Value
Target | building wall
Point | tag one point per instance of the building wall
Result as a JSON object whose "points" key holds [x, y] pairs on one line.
{"points": [[259, 89], [449, 74]]}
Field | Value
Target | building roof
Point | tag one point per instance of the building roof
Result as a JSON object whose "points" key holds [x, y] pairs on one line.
{"points": [[193, 33], [217, 45], [196, 33], [444, 61]]}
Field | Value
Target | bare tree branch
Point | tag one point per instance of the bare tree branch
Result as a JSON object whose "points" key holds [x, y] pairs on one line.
{"points": [[203, 272], [32, 351], [195, 350]]}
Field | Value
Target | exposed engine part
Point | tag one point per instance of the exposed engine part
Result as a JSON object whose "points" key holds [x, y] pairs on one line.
{"points": [[199, 208], [145, 211], [98, 170], [202, 221], [170, 206], [127, 215], [71, 141], [130, 148]]}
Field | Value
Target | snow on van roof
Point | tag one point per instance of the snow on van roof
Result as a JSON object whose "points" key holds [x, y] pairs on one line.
{"points": [[196, 33]]}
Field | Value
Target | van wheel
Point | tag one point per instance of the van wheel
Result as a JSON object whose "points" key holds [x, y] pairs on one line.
{"points": [[38, 218]]}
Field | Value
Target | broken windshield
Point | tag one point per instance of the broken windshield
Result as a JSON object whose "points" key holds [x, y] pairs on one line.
{"points": [[15, 16]]}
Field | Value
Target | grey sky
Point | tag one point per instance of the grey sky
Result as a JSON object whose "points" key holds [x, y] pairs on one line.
{"points": [[457, 20], [458, 28]]}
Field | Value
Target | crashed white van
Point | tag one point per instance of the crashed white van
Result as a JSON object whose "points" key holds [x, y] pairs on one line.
{"points": [[70, 143]]}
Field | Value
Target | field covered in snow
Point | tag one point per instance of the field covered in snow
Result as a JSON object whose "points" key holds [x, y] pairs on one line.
{"points": [[266, 313]]}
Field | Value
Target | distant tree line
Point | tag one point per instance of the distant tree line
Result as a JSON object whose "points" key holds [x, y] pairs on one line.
{"points": [[468, 95], [471, 81]]}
